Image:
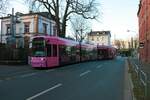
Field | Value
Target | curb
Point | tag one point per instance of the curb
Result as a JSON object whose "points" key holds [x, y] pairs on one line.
{"points": [[128, 85]]}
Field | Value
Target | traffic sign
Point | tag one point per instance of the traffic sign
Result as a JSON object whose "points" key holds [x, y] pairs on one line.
{"points": [[141, 44]]}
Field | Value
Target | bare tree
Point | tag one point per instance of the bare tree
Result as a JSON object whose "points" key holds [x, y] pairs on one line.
{"points": [[3, 6], [118, 44], [63, 9], [123, 44], [80, 28]]}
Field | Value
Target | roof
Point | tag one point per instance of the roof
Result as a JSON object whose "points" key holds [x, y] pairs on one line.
{"points": [[44, 14], [97, 33]]}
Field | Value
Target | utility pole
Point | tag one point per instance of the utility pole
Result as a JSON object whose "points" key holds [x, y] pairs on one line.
{"points": [[80, 42], [12, 38], [76, 35], [1, 32], [12, 23], [132, 43]]}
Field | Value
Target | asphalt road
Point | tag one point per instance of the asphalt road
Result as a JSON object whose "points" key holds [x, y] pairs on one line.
{"points": [[96, 80]]}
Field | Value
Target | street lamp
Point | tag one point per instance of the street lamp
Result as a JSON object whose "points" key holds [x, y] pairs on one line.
{"points": [[134, 40], [134, 44], [14, 19]]}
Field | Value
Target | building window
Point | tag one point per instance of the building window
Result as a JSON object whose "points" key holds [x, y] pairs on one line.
{"points": [[8, 29], [26, 27], [44, 28], [97, 38], [102, 38], [92, 38]]}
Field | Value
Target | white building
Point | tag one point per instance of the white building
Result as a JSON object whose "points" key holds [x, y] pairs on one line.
{"points": [[100, 37], [26, 26]]}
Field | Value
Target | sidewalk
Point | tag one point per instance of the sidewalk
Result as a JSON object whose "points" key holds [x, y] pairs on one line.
{"points": [[128, 86]]}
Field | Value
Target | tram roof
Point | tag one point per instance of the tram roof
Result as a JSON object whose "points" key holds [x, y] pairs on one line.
{"points": [[63, 41], [104, 46]]}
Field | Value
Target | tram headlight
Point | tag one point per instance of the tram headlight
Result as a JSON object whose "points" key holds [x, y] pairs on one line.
{"points": [[42, 59]]}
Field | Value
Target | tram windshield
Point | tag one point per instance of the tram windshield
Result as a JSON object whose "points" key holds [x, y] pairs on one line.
{"points": [[38, 47]]}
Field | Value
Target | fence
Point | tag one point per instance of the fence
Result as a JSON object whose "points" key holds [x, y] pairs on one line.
{"points": [[142, 76], [13, 55]]}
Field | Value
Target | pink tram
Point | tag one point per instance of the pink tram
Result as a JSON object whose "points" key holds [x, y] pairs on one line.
{"points": [[106, 52], [51, 51]]}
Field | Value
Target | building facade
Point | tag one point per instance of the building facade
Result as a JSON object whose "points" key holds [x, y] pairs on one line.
{"points": [[100, 37], [144, 30], [26, 26]]}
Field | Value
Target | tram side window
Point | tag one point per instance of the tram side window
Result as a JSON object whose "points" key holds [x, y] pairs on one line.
{"points": [[68, 50], [54, 50], [73, 50], [83, 51], [61, 50], [65, 50], [95, 52], [100, 52], [49, 50]]}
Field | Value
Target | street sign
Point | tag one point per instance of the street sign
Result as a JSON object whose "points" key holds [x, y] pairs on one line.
{"points": [[141, 45]]}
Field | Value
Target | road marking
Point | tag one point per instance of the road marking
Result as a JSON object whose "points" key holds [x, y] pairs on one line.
{"points": [[27, 75], [84, 73], [8, 78], [99, 66], [50, 70], [45, 91]]}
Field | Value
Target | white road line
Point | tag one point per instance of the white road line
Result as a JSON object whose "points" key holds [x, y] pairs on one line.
{"points": [[84, 73], [99, 66], [45, 91], [27, 75], [50, 70]]}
